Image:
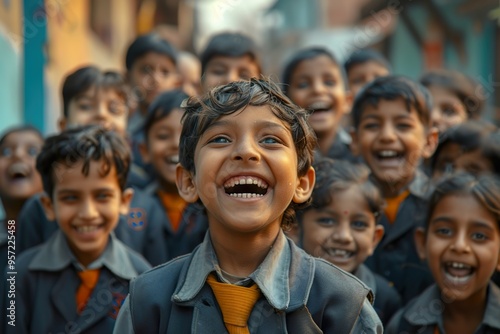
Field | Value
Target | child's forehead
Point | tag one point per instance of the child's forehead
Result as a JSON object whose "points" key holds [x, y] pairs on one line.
{"points": [[21, 136], [96, 92], [387, 108]]}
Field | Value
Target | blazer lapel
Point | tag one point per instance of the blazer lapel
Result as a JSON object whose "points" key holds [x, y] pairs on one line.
{"points": [[108, 293], [63, 294], [405, 220]]}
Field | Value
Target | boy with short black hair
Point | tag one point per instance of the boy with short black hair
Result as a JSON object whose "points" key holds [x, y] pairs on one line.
{"points": [[246, 153], [183, 225], [79, 278], [151, 63], [393, 133], [229, 57], [95, 97]]}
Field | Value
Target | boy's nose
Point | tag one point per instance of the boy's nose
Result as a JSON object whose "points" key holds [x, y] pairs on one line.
{"points": [[388, 133], [245, 150], [318, 87], [460, 243], [342, 234], [88, 210]]}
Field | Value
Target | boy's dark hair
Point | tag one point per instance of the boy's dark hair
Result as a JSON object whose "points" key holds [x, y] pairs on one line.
{"points": [[391, 88], [84, 78], [162, 106], [20, 128], [337, 175], [364, 56], [484, 188], [146, 44], [306, 54], [229, 44], [202, 112], [83, 144], [462, 86], [470, 136]]}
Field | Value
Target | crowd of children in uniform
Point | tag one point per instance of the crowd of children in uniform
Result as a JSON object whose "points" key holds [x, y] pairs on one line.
{"points": [[343, 199]]}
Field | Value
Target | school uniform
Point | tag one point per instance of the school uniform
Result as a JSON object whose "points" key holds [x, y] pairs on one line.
{"points": [[190, 232], [4, 238], [395, 257], [47, 281], [423, 315], [299, 294], [387, 300], [137, 230]]}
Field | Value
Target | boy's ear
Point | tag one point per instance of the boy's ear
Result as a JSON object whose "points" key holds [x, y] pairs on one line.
{"points": [[349, 98], [378, 234], [431, 142], [305, 186], [354, 142], [62, 123], [185, 185], [144, 152], [127, 196], [420, 239], [48, 207]]}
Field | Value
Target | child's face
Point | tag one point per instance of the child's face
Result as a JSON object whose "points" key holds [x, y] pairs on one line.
{"points": [[221, 70], [317, 84], [392, 141], [452, 158], [462, 246], [343, 233], [246, 173], [19, 178], [152, 74], [87, 208], [162, 149], [97, 107], [448, 109], [363, 73]]}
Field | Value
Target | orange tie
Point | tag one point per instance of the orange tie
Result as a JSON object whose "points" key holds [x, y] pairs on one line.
{"points": [[236, 303], [89, 280]]}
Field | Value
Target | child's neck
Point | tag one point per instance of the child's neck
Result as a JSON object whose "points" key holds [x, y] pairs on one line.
{"points": [[12, 207], [393, 189], [241, 254], [466, 315], [168, 188], [326, 140]]}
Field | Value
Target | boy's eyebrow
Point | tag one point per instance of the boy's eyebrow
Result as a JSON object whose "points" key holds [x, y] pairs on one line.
{"points": [[478, 224], [261, 124]]}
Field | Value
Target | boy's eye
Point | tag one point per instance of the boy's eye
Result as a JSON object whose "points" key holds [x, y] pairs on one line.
{"points": [[163, 136], [404, 126], [302, 85], [68, 198], [220, 140], [359, 225], [218, 71], [85, 106], [270, 140], [330, 82], [6, 151], [147, 69], [443, 231], [103, 196], [370, 126], [33, 151], [327, 221], [245, 75], [479, 236]]}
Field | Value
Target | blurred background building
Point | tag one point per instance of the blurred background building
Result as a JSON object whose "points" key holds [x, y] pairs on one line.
{"points": [[40, 41]]}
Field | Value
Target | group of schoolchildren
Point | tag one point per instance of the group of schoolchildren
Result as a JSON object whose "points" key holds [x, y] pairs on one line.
{"points": [[343, 199]]}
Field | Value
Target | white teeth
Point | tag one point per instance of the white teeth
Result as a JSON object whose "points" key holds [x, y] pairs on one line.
{"points": [[86, 229], [245, 195], [387, 154], [320, 105], [340, 252], [245, 180], [459, 265]]}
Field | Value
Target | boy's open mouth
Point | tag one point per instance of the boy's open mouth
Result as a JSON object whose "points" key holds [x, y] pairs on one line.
{"points": [[458, 272], [18, 171], [245, 187], [87, 228], [391, 158], [172, 160], [320, 106], [339, 254]]}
